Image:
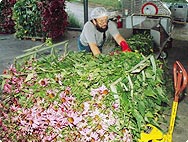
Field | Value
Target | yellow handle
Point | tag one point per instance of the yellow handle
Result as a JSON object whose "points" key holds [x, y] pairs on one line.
{"points": [[172, 121]]}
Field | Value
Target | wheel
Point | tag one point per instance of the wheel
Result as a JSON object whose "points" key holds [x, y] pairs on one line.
{"points": [[163, 55]]}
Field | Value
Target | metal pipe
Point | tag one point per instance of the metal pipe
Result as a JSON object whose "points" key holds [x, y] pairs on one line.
{"points": [[73, 29], [85, 11]]}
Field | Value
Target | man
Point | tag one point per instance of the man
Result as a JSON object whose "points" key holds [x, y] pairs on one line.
{"points": [[97, 30]]}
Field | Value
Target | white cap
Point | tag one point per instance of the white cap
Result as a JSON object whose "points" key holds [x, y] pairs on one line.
{"points": [[98, 12]]}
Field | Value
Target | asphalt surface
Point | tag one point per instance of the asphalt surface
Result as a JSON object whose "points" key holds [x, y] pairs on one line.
{"points": [[11, 47]]}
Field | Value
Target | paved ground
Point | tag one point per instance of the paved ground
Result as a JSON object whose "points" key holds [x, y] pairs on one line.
{"points": [[179, 52], [10, 47]]}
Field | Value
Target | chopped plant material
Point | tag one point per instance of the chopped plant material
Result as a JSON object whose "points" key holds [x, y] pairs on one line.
{"points": [[79, 97]]}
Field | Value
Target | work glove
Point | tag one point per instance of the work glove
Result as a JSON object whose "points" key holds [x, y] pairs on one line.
{"points": [[125, 46]]}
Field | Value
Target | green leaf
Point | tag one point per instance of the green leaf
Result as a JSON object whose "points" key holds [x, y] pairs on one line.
{"points": [[149, 114], [7, 76], [29, 77], [149, 92], [138, 117], [141, 108], [2, 84]]}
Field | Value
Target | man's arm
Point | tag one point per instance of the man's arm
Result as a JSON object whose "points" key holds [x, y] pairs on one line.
{"points": [[95, 50], [122, 42], [118, 38]]}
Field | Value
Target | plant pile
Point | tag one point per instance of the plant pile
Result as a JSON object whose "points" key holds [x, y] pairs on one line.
{"points": [[6, 21], [78, 97], [27, 19], [44, 18], [142, 43], [54, 18]]}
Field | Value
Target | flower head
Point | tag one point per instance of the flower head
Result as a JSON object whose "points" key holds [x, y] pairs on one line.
{"points": [[43, 82]]}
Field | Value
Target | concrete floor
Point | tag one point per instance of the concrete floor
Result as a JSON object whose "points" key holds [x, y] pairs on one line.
{"points": [[10, 47], [179, 52]]}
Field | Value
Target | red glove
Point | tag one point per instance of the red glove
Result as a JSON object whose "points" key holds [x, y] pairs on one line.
{"points": [[125, 46]]}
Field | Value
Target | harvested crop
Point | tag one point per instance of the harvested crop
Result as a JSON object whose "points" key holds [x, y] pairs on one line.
{"points": [[78, 97]]}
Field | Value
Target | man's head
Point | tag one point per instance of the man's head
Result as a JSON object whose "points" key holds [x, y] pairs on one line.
{"points": [[99, 15]]}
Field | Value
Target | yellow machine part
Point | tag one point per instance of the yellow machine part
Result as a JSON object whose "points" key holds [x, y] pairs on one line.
{"points": [[153, 134]]}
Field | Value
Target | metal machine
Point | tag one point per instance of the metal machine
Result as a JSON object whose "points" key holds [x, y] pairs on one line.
{"points": [[152, 17], [179, 12]]}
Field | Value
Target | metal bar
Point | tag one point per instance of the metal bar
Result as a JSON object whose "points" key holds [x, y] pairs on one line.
{"points": [[85, 11]]}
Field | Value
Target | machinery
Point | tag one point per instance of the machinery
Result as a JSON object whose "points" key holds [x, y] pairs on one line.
{"points": [[153, 134], [149, 16], [179, 12]]}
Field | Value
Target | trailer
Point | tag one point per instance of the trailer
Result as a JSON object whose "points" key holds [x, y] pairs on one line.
{"points": [[153, 17]]}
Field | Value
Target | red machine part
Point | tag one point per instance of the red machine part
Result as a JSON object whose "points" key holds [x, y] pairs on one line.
{"points": [[149, 8], [119, 22]]}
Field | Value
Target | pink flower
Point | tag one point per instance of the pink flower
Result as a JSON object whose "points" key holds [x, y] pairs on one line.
{"points": [[58, 79], [51, 94], [61, 122], [104, 126], [94, 136], [126, 136], [115, 106], [17, 90], [4, 128], [85, 132], [99, 91], [103, 90], [1, 121], [14, 80], [111, 136], [5, 71], [82, 124], [7, 88], [15, 108], [95, 113], [101, 132], [67, 90], [43, 82], [73, 118], [110, 119], [49, 138], [66, 100], [86, 107], [12, 69]]}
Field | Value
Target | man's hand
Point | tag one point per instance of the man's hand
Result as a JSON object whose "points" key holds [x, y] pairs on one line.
{"points": [[125, 46], [115, 52], [95, 50]]}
